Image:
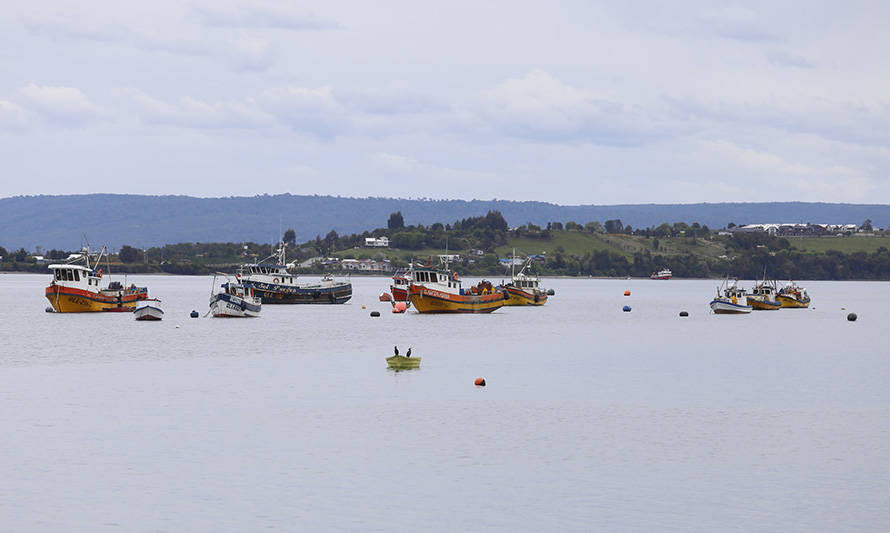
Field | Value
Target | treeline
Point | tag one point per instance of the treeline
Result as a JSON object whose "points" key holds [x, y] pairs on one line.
{"points": [[747, 255]]}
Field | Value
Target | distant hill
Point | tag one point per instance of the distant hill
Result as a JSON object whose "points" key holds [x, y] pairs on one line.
{"points": [[143, 221]]}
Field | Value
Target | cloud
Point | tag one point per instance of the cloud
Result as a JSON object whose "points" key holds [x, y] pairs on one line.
{"points": [[314, 111], [541, 108], [61, 104], [195, 113], [397, 163], [783, 58], [172, 34], [12, 116], [259, 15], [771, 170], [737, 23]]}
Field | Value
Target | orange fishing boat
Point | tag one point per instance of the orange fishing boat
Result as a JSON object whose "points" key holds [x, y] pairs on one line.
{"points": [[75, 288], [438, 290]]}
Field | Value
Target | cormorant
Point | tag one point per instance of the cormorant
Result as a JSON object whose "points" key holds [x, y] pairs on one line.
{"points": [[395, 349], [409, 353]]}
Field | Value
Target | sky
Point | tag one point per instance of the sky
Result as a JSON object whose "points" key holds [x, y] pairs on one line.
{"points": [[567, 102]]}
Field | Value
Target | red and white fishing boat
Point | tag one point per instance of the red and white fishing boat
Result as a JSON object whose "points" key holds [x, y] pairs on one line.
{"points": [[399, 287], [664, 273]]}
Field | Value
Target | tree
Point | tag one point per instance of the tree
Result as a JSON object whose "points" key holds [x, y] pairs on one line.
{"points": [[594, 227], [396, 221], [3, 252], [556, 226], [290, 237], [128, 254], [614, 226], [866, 226]]}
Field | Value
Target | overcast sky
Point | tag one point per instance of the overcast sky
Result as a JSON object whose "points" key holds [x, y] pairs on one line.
{"points": [[568, 102]]}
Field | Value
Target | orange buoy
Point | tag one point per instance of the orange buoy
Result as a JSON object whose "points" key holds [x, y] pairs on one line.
{"points": [[399, 307], [363, 307], [627, 293], [480, 382]]}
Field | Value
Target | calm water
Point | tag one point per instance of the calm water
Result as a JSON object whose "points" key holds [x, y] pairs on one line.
{"points": [[593, 419]]}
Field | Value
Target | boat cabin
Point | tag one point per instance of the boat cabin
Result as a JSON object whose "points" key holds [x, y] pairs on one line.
{"points": [[75, 276], [266, 273], [443, 279]]}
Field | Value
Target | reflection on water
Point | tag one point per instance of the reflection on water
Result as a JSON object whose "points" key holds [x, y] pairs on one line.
{"points": [[593, 419]]}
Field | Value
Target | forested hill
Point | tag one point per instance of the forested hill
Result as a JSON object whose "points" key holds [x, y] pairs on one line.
{"points": [[143, 221]]}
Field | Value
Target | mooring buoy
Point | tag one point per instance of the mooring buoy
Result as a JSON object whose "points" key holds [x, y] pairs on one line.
{"points": [[852, 317]]}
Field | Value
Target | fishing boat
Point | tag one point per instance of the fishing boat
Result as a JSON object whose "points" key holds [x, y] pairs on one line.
{"points": [[399, 287], [763, 296], [76, 288], [438, 290], [234, 300], [730, 299], [523, 289], [271, 281], [793, 296], [148, 312], [401, 362], [664, 273]]}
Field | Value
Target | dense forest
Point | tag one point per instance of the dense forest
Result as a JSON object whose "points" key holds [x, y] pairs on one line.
{"points": [[608, 248]]}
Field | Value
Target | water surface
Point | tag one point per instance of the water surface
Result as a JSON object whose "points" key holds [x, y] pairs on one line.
{"points": [[592, 420]]}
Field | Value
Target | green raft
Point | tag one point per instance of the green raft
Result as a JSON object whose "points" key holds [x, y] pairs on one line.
{"points": [[400, 362]]}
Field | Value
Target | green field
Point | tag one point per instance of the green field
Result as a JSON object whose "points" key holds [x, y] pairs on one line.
{"points": [[846, 245]]}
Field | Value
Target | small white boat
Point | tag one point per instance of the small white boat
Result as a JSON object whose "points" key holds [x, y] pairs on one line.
{"points": [[234, 300], [730, 299], [148, 312]]}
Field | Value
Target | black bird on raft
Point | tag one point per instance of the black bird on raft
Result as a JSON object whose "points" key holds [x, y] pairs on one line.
{"points": [[395, 350], [409, 353]]}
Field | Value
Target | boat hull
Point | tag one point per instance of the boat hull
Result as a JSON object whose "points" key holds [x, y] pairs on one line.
{"points": [[148, 313], [400, 362], [230, 306], [721, 307], [521, 297], [398, 294], [764, 305], [271, 293], [427, 300], [791, 302], [71, 300]]}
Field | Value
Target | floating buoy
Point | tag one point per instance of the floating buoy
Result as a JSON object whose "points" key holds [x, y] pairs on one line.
{"points": [[626, 309], [399, 307], [194, 314], [550, 292], [852, 317], [684, 313], [178, 326], [50, 310], [363, 307], [480, 382], [375, 313], [627, 293]]}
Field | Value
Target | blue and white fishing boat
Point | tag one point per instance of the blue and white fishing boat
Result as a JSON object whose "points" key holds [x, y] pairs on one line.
{"points": [[234, 300], [271, 281], [731, 299]]}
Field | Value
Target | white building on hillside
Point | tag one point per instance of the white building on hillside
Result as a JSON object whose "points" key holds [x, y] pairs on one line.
{"points": [[381, 242]]}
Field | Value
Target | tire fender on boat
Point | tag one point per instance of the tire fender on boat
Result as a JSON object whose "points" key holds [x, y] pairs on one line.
{"points": [[275, 280]]}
